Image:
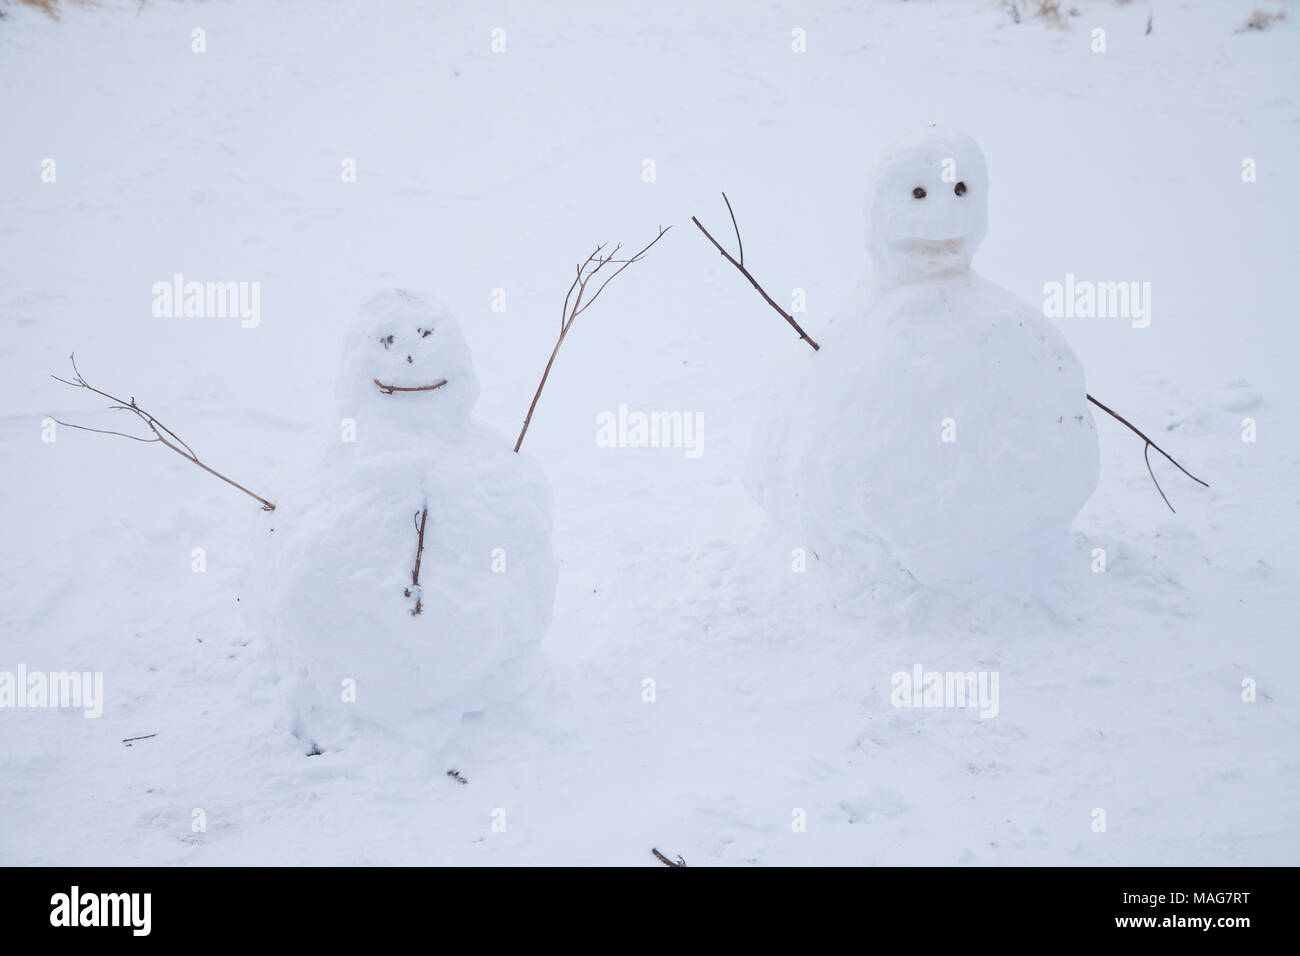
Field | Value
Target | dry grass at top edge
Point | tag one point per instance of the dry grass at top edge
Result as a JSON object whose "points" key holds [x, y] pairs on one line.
{"points": [[1262, 20], [50, 8]]}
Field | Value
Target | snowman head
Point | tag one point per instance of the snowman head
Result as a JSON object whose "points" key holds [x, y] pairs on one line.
{"points": [[927, 209], [406, 359]]}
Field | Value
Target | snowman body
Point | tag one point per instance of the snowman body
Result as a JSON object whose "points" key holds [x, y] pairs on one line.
{"points": [[944, 421], [410, 570]]}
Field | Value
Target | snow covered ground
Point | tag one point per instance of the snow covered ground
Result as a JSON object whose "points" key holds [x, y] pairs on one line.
{"points": [[479, 171]]}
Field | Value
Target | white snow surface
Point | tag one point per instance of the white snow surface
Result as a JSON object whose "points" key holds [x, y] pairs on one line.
{"points": [[482, 178]]}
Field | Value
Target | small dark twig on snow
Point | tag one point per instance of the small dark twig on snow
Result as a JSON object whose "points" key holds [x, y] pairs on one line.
{"points": [[667, 862]]}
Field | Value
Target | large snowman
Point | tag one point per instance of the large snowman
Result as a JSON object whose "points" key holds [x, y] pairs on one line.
{"points": [[943, 423], [410, 565]]}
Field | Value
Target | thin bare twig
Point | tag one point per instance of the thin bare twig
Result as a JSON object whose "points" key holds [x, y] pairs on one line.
{"points": [[667, 862], [740, 244], [389, 389], [419, 520], [586, 271], [104, 431], [1146, 450], [740, 265], [161, 432]]}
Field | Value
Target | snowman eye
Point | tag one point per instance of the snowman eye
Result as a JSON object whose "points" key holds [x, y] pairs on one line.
{"points": [[959, 189], [918, 193]]}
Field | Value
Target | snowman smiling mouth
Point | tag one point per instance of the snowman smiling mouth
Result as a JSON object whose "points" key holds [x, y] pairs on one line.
{"points": [[390, 389], [387, 341]]}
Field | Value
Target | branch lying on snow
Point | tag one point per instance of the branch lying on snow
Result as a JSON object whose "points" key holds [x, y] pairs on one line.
{"points": [[1146, 451], [667, 862], [161, 432], [586, 271], [740, 264]]}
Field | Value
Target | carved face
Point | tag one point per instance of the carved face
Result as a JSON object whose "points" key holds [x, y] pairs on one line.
{"points": [[407, 376], [928, 208], [407, 350]]}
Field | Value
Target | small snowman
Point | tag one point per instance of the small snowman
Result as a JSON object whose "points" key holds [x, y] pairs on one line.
{"points": [[944, 423], [410, 570]]}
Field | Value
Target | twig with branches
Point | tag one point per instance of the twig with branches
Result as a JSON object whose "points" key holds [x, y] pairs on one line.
{"points": [[740, 264], [161, 432], [586, 271], [1146, 451]]}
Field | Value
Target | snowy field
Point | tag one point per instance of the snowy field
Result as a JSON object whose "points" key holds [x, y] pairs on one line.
{"points": [[1147, 714]]}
